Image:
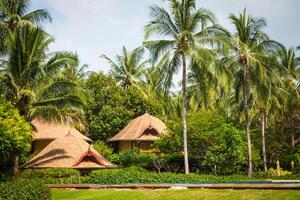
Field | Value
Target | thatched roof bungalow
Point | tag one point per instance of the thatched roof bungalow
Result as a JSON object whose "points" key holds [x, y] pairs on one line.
{"points": [[68, 152], [140, 133], [45, 133]]}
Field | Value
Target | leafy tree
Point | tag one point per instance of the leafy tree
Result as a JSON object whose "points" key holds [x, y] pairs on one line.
{"points": [[209, 135], [110, 107], [215, 145], [159, 161], [186, 32], [31, 82], [14, 14], [15, 135], [228, 154]]}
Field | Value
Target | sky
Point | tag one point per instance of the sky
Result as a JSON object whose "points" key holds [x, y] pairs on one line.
{"points": [[95, 27]]}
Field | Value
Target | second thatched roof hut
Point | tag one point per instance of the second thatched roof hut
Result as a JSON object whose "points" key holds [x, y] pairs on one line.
{"points": [[140, 133]]}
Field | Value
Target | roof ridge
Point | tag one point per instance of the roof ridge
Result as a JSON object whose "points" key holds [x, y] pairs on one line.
{"points": [[69, 134], [89, 152], [150, 120]]}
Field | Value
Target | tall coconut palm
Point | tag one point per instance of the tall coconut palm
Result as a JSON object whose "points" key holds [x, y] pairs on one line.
{"points": [[249, 58], [187, 33], [14, 13], [129, 67]]}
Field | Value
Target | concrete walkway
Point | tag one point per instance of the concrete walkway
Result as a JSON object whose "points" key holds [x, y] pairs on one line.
{"points": [[283, 185]]}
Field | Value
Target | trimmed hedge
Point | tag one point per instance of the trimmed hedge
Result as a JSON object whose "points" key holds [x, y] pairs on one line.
{"points": [[49, 173], [24, 189], [134, 175], [54, 175], [138, 175]]}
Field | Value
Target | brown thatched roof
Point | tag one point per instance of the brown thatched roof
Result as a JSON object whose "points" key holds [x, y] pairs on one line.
{"points": [[68, 152], [52, 131], [143, 128]]}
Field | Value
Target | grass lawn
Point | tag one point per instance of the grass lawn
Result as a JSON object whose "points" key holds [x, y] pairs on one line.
{"points": [[172, 195]]}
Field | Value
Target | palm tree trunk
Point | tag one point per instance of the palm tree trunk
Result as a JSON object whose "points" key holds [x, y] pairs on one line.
{"points": [[262, 123], [184, 115], [293, 135], [246, 111], [16, 165]]}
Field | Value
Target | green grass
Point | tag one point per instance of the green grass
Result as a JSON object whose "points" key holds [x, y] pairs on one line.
{"points": [[172, 195]]}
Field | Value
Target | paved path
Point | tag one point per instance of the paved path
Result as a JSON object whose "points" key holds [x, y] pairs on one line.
{"points": [[291, 185]]}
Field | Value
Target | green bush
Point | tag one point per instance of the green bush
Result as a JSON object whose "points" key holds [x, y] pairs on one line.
{"points": [[24, 189], [136, 175], [103, 149], [49, 173]]}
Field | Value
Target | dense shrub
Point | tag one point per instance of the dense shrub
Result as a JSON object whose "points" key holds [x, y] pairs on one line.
{"points": [[132, 158], [136, 175], [49, 173], [24, 189]]}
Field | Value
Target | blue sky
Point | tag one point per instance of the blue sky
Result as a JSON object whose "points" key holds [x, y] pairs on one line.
{"points": [[95, 27]]}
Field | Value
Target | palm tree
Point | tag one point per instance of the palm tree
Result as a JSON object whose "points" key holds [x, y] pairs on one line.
{"points": [[74, 72], [187, 33], [14, 13], [31, 80], [249, 58], [129, 68]]}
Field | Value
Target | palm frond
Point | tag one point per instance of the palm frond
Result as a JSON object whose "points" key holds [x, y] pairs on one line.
{"points": [[37, 16]]}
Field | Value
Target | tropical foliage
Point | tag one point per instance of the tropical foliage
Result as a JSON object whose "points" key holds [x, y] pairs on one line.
{"points": [[111, 107], [15, 135], [187, 31], [14, 14], [251, 62], [236, 106], [31, 81]]}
